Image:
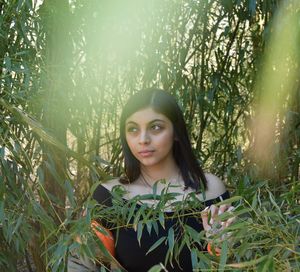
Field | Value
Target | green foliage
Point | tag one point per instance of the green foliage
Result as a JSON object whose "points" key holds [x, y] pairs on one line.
{"points": [[265, 236], [66, 69]]}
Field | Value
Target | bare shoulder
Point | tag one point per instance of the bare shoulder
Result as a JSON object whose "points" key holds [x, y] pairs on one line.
{"points": [[111, 183], [215, 186]]}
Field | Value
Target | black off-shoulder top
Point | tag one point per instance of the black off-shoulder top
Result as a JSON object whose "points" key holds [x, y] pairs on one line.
{"points": [[132, 255]]}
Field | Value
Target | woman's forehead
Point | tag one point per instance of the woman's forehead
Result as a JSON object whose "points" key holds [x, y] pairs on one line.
{"points": [[146, 115]]}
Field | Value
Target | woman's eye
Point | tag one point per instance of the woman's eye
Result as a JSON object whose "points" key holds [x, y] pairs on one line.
{"points": [[156, 127], [132, 129]]}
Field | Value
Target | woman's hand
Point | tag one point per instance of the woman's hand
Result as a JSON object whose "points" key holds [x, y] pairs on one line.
{"points": [[211, 220]]}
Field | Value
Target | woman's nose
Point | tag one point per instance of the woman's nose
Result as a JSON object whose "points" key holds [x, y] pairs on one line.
{"points": [[144, 137]]}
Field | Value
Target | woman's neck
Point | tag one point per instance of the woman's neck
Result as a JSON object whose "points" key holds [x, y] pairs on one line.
{"points": [[154, 173]]}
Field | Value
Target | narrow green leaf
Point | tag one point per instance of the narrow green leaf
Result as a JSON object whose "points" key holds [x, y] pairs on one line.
{"points": [[140, 228], [271, 197], [171, 240], [204, 261], [223, 259], [269, 265], [247, 264], [161, 219], [154, 189], [138, 215], [155, 226], [19, 221], [254, 201], [230, 200], [131, 212], [194, 259], [70, 193], [149, 226], [2, 214], [193, 233], [156, 268], [156, 244]]}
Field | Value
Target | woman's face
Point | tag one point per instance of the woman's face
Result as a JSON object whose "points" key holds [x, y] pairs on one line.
{"points": [[150, 137]]}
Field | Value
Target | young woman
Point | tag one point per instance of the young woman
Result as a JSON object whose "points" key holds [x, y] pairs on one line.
{"points": [[158, 153]]}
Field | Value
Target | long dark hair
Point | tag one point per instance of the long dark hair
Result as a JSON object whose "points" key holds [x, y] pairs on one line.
{"points": [[164, 103]]}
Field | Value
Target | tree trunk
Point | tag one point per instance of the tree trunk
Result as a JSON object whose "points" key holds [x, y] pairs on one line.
{"points": [[57, 54]]}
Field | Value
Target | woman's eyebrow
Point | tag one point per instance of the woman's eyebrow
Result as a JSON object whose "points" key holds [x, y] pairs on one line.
{"points": [[131, 122], [156, 120], [152, 121]]}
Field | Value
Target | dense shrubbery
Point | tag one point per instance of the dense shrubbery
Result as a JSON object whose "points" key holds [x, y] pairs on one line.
{"points": [[68, 66]]}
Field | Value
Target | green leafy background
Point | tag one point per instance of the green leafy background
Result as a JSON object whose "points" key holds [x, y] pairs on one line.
{"points": [[66, 69]]}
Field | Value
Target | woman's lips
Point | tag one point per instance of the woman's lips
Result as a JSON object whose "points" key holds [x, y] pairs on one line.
{"points": [[146, 153]]}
